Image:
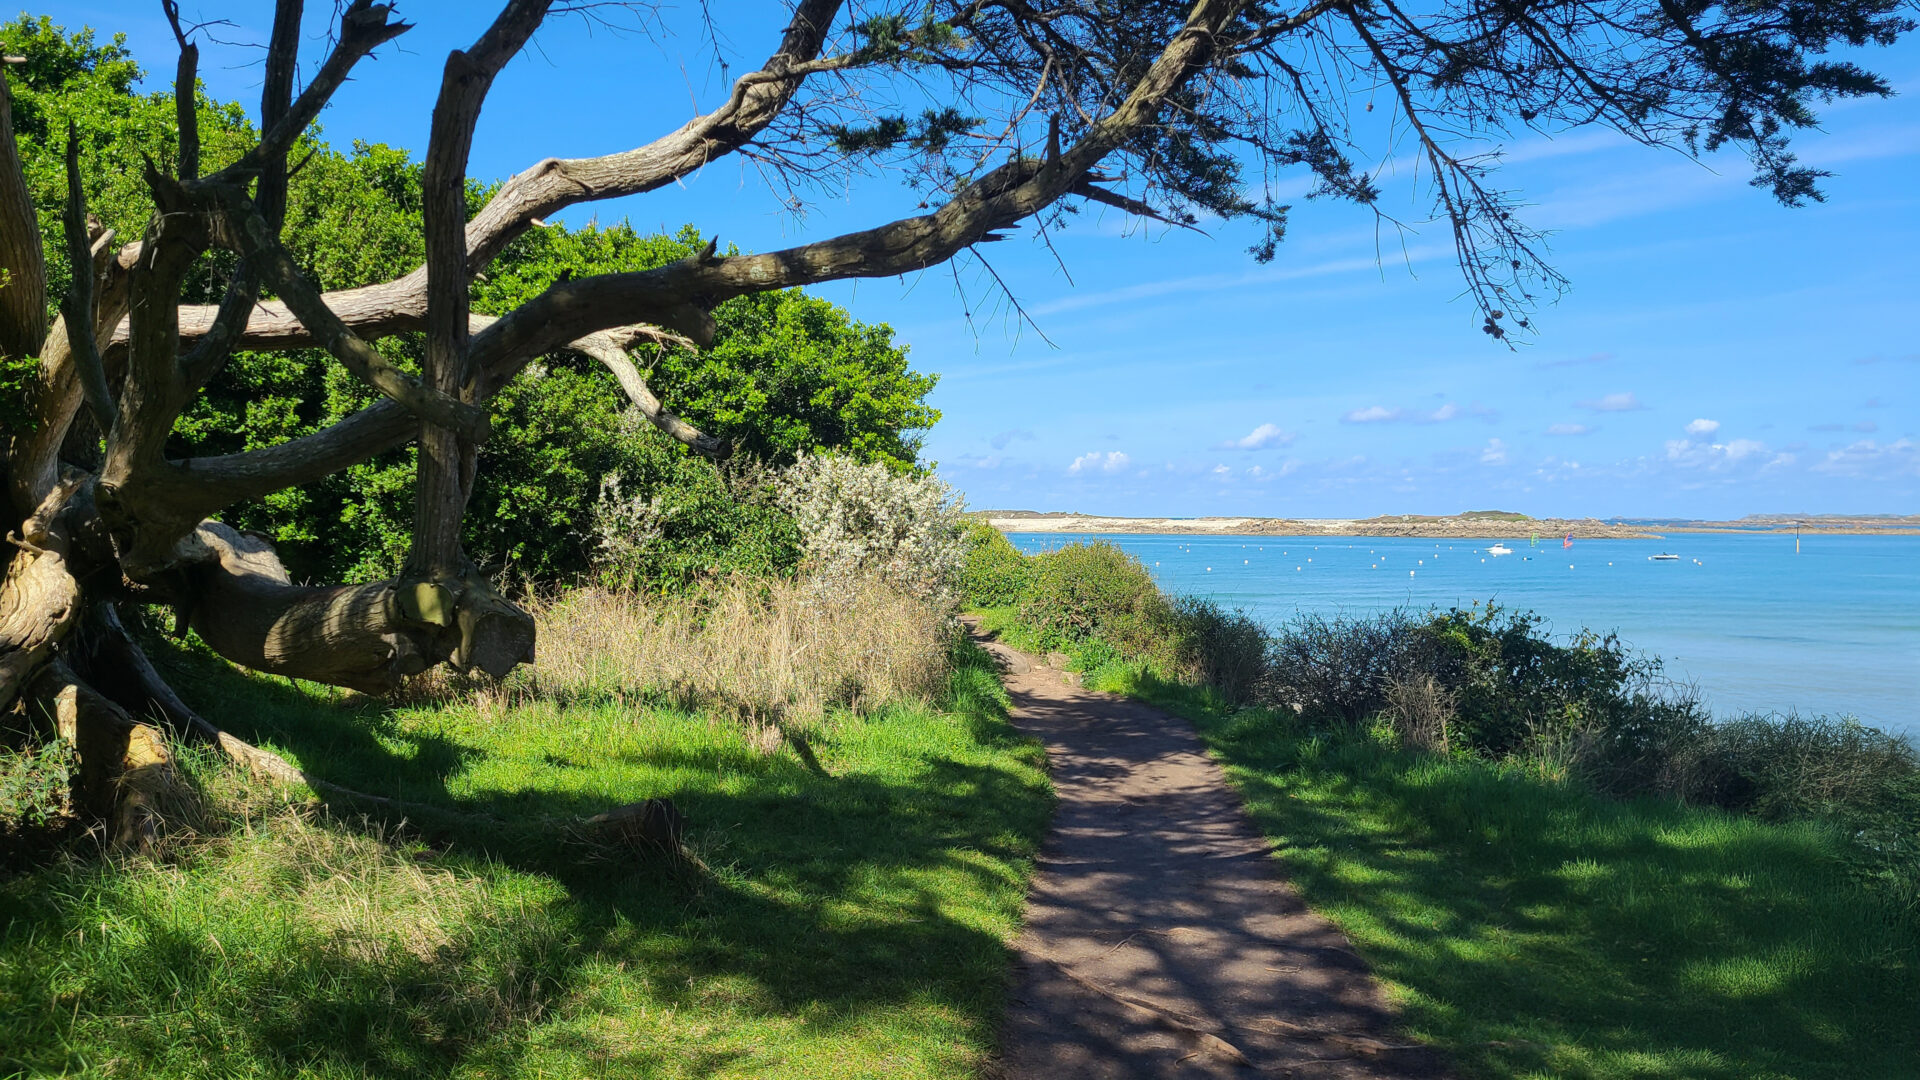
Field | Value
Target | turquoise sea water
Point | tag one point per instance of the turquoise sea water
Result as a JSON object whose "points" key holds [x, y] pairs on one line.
{"points": [[1834, 629]]}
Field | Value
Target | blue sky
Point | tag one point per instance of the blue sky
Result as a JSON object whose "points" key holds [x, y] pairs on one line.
{"points": [[1717, 355]]}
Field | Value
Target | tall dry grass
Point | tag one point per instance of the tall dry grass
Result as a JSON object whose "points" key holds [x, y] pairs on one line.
{"points": [[764, 649]]}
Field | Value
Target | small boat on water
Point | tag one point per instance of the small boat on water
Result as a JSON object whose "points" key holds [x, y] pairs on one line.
{"points": [[1664, 556], [1499, 549]]}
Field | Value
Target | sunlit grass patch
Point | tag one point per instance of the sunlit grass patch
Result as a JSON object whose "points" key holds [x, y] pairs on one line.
{"points": [[851, 920]]}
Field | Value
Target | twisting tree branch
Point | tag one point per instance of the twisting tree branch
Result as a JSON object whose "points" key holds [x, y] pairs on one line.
{"points": [[77, 306], [186, 77], [263, 252], [449, 458]]}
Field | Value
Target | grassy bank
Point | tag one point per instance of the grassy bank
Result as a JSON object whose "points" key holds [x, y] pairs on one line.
{"points": [[1483, 848], [853, 921], [1535, 929]]}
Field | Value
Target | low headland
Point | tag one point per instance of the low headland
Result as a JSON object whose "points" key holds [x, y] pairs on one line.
{"points": [[1493, 524]]}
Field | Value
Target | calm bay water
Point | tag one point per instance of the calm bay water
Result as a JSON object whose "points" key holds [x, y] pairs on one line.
{"points": [[1834, 629]]}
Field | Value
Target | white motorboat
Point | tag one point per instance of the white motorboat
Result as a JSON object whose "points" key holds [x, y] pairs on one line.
{"points": [[1499, 549], [1664, 556]]}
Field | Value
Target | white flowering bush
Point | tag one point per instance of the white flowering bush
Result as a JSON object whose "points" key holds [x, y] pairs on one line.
{"points": [[862, 522], [625, 529]]}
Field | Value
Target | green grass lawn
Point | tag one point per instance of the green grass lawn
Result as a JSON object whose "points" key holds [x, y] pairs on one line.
{"points": [[853, 923], [1536, 930]]}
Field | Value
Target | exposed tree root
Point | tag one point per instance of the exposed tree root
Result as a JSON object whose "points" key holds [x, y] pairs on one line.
{"points": [[127, 775], [1201, 1032]]}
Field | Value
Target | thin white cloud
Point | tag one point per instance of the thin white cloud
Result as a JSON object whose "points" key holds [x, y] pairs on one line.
{"points": [[1900, 457], [1260, 438], [1221, 470], [1712, 456], [1372, 414], [1110, 462], [1000, 441], [1380, 414], [1621, 402], [1703, 426], [1569, 429], [1495, 453]]}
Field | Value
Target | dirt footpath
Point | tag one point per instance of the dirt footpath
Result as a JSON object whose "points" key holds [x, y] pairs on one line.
{"points": [[1161, 940]]}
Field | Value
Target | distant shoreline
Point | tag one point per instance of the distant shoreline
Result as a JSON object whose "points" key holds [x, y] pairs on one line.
{"points": [[1491, 525]]}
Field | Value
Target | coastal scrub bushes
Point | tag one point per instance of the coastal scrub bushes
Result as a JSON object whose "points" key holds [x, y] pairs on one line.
{"points": [[1491, 682], [1099, 604], [1095, 591], [994, 573], [1223, 650]]}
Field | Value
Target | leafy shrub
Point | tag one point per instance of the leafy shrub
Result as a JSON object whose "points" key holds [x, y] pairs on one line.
{"points": [[1861, 779], [995, 573], [1100, 603], [1096, 590], [1491, 682], [862, 520], [1340, 668], [677, 519], [1225, 650], [1781, 767], [1515, 686]]}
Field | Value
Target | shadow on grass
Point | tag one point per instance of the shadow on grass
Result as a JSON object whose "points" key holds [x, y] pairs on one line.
{"points": [[1535, 930], [874, 902]]}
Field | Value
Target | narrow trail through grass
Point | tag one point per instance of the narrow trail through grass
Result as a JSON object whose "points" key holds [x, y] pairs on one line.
{"points": [[854, 922], [1161, 941]]}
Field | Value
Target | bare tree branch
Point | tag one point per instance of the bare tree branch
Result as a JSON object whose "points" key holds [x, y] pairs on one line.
{"points": [[363, 28], [610, 347], [671, 294], [206, 485], [55, 398], [264, 253], [276, 94], [374, 311], [186, 78]]}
